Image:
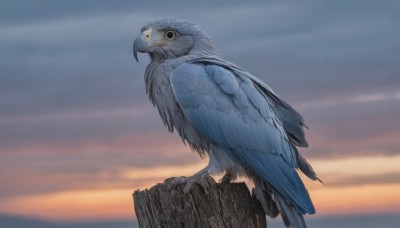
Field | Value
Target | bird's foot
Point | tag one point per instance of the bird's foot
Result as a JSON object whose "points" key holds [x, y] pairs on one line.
{"points": [[199, 178]]}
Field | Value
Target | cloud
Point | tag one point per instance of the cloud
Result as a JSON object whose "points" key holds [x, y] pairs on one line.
{"points": [[378, 179], [392, 96], [73, 107], [40, 174], [353, 129], [70, 84], [65, 65]]}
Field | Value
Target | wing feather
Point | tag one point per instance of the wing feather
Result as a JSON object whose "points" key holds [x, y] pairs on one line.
{"points": [[232, 114], [293, 122]]}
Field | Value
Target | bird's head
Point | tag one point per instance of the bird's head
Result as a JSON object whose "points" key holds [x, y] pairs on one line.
{"points": [[172, 38]]}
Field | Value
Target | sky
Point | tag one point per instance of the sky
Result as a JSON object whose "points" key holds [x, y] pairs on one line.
{"points": [[78, 134]]}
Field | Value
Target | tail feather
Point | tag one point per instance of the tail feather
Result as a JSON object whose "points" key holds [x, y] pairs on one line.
{"points": [[306, 168], [263, 193], [289, 215], [273, 204]]}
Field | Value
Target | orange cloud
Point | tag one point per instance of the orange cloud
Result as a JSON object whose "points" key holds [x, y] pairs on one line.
{"points": [[105, 202], [99, 203], [370, 199], [74, 205]]}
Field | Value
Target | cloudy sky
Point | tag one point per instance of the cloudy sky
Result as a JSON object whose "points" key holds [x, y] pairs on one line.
{"points": [[78, 134]]}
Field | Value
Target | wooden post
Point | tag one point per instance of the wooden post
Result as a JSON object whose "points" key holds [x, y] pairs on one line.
{"points": [[224, 205]]}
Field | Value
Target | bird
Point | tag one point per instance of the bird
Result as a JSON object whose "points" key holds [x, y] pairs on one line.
{"points": [[228, 115]]}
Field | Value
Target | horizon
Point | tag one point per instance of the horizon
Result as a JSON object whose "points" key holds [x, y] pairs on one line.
{"points": [[344, 221], [78, 134]]}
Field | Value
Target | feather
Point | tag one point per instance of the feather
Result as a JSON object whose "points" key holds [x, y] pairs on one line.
{"points": [[290, 217], [293, 122], [258, 146]]}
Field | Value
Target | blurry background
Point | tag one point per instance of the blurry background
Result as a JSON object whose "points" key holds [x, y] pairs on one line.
{"points": [[78, 134]]}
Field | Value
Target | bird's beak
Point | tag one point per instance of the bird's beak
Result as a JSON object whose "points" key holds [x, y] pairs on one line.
{"points": [[142, 42], [139, 46]]}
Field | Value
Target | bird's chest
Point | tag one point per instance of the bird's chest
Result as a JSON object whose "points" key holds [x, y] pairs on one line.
{"points": [[161, 95], [160, 92]]}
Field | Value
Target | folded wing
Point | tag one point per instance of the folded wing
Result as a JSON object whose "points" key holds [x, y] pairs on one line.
{"points": [[231, 112]]}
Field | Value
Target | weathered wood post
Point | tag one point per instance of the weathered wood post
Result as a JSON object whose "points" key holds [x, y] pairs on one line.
{"points": [[224, 205]]}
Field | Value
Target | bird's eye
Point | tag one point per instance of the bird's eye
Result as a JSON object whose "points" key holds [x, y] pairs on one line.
{"points": [[170, 35]]}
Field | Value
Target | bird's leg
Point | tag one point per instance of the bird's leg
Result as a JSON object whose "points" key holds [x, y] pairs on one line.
{"points": [[199, 178]]}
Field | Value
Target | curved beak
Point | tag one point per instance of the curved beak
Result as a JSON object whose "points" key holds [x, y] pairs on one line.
{"points": [[140, 45]]}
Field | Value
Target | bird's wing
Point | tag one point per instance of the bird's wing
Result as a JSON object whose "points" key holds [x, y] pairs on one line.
{"points": [[293, 122], [231, 113]]}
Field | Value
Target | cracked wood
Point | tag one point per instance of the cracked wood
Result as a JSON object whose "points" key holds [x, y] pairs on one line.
{"points": [[224, 205]]}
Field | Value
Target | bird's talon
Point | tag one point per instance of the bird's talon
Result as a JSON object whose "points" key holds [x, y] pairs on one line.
{"points": [[188, 186], [188, 182]]}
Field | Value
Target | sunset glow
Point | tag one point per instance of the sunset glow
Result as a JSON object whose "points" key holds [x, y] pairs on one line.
{"points": [[335, 196]]}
